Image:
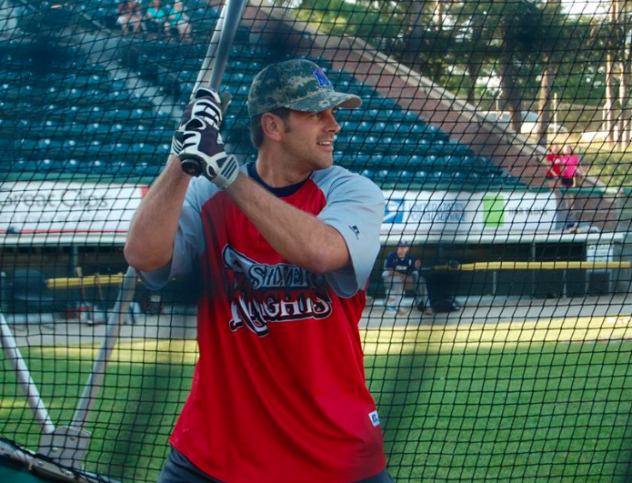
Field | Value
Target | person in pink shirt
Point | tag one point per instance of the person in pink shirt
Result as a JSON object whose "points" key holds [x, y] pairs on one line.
{"points": [[569, 167]]}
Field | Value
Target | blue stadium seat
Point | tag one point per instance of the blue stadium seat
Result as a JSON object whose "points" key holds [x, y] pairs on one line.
{"points": [[417, 128], [73, 128], [13, 75], [163, 149], [21, 164], [406, 176], [392, 127], [437, 146], [120, 168], [368, 173], [421, 176], [144, 168], [45, 165], [415, 160], [361, 161], [96, 166], [15, 92], [467, 177], [142, 148], [252, 66], [466, 161], [367, 126], [71, 165], [382, 175]]}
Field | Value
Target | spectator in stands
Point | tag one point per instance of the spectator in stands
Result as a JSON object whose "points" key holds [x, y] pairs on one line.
{"points": [[554, 160], [179, 22], [569, 162], [399, 273], [130, 16], [569, 166], [156, 17]]}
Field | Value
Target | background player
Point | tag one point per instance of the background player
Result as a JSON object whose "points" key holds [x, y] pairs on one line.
{"points": [[399, 269], [284, 248]]}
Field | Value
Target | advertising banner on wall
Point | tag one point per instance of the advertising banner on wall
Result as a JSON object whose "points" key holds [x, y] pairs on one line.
{"points": [[70, 207], [451, 212], [67, 207]]}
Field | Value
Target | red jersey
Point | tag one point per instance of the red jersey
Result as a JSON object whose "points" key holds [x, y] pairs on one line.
{"points": [[279, 392], [555, 165]]}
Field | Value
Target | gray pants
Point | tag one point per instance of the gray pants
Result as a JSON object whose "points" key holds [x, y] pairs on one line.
{"points": [[396, 287], [179, 469]]}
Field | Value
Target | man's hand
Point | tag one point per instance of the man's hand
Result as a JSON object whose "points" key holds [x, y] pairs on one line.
{"points": [[199, 145]]}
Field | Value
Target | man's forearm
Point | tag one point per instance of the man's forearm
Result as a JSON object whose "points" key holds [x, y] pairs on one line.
{"points": [[149, 244], [297, 236]]}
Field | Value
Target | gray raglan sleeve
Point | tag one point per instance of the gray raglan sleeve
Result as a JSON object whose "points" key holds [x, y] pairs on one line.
{"points": [[355, 207], [189, 242]]}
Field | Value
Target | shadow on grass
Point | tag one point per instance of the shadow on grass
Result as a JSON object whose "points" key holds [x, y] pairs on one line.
{"points": [[531, 412]]}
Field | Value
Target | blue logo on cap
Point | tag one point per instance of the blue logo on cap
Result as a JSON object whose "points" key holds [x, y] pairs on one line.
{"points": [[321, 78]]}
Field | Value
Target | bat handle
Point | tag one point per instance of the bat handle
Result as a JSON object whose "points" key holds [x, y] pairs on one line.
{"points": [[191, 167]]}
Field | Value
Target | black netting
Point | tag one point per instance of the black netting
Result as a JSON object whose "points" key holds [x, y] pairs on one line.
{"points": [[500, 353]]}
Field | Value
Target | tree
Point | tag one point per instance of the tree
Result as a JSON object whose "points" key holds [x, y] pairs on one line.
{"points": [[556, 43], [413, 31]]}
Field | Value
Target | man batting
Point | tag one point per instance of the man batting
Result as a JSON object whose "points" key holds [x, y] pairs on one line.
{"points": [[284, 248]]}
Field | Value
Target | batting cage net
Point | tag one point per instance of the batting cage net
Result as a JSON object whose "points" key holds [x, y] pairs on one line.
{"points": [[497, 328]]}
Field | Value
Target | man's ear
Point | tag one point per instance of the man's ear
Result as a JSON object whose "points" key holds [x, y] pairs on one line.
{"points": [[272, 126]]}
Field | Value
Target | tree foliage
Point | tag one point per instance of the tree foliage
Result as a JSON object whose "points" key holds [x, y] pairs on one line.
{"points": [[488, 50]]}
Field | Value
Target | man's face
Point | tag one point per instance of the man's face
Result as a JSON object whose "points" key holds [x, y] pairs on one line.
{"points": [[309, 137], [402, 251]]}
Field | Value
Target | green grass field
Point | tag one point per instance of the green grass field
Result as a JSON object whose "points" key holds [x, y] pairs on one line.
{"points": [[456, 404]]}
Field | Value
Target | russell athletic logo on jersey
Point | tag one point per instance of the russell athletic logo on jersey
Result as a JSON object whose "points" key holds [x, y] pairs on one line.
{"points": [[261, 294]]}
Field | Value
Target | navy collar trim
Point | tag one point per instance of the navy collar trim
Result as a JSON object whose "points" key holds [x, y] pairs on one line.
{"points": [[279, 192]]}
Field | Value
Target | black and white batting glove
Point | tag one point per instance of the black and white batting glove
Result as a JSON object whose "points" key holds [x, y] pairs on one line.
{"points": [[198, 143]]}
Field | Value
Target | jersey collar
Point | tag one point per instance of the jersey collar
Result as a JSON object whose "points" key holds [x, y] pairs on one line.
{"points": [[279, 192]]}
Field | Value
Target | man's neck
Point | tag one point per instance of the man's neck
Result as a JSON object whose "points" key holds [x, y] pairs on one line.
{"points": [[278, 173]]}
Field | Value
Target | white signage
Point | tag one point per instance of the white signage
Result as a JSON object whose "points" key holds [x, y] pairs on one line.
{"points": [[453, 212], [600, 253], [67, 207]]}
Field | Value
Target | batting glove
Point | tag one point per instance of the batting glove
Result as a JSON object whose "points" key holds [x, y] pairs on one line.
{"points": [[199, 145]]}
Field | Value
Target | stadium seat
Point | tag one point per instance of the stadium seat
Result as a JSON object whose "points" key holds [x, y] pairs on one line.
{"points": [[97, 166], [21, 164], [404, 175], [163, 149], [72, 165], [417, 128], [368, 173], [121, 168], [252, 66], [421, 176], [382, 175], [361, 161], [146, 169], [45, 165]]}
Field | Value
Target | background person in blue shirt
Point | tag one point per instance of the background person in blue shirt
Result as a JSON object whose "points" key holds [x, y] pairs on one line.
{"points": [[399, 272], [179, 22], [156, 17]]}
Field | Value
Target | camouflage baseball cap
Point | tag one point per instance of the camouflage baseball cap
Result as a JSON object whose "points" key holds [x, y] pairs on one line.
{"points": [[295, 84]]}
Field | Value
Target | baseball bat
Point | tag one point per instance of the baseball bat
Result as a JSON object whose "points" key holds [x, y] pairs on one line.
{"points": [[216, 58], [211, 74]]}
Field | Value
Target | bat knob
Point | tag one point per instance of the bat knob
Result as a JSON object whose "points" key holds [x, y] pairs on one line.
{"points": [[191, 167]]}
